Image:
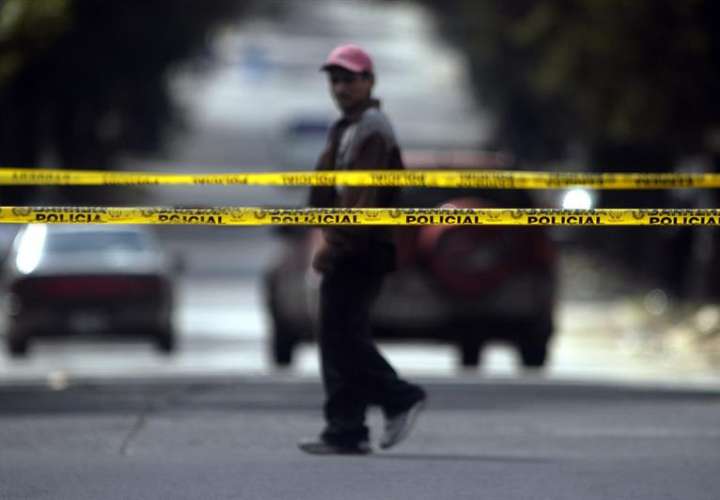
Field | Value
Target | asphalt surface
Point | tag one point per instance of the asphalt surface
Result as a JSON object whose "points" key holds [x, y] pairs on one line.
{"points": [[235, 438]]}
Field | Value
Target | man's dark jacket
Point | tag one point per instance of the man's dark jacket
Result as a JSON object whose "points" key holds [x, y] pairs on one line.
{"points": [[362, 140]]}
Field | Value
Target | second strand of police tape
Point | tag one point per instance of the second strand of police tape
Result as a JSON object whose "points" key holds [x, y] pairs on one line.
{"points": [[257, 216], [491, 179]]}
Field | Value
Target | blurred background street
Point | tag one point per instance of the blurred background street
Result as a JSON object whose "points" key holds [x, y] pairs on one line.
{"points": [[252, 99]]}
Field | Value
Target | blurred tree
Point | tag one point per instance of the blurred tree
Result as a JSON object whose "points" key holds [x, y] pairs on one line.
{"points": [[635, 83], [617, 76], [87, 79], [20, 23], [26, 30]]}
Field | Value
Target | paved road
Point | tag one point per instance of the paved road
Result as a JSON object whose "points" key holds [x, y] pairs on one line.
{"points": [[234, 438]]}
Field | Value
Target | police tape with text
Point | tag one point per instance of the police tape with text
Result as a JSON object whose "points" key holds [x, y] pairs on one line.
{"points": [[493, 179], [259, 216]]}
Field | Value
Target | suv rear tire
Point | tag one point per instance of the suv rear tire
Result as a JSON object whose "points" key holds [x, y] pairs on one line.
{"points": [[470, 352], [533, 348], [533, 354], [165, 342], [17, 347], [283, 347]]}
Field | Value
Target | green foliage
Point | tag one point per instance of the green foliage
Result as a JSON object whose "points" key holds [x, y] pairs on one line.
{"points": [[87, 79], [26, 28], [596, 71]]}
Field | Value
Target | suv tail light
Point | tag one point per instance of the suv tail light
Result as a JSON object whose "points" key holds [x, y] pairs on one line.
{"points": [[473, 260], [466, 260]]}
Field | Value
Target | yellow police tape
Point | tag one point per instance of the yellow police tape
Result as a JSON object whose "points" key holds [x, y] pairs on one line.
{"points": [[495, 179], [256, 216]]}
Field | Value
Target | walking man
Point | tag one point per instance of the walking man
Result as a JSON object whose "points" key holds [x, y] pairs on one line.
{"points": [[353, 262]]}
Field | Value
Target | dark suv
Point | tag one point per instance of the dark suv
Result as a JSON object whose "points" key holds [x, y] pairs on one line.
{"points": [[463, 285]]}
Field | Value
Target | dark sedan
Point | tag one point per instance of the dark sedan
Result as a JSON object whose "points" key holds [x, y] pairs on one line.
{"points": [[95, 280]]}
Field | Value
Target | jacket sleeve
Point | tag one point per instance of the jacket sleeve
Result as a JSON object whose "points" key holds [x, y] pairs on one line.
{"points": [[322, 196]]}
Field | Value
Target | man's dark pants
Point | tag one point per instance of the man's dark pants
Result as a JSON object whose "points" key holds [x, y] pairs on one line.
{"points": [[354, 372]]}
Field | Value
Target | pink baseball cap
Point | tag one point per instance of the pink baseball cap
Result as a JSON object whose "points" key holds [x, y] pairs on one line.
{"points": [[350, 57]]}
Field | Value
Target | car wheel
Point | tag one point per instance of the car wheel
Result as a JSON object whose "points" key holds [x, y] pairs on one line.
{"points": [[165, 342], [282, 340], [533, 349], [470, 352], [533, 355], [17, 347], [283, 346]]}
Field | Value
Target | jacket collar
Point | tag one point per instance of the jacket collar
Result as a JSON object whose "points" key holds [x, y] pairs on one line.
{"points": [[355, 114]]}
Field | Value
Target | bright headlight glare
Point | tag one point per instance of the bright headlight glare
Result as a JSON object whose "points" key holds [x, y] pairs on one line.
{"points": [[577, 199], [30, 249]]}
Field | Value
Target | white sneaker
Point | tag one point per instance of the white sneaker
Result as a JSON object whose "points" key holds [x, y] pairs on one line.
{"points": [[398, 427]]}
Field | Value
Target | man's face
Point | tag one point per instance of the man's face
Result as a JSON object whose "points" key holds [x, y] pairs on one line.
{"points": [[349, 89]]}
